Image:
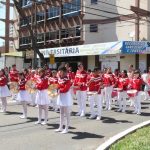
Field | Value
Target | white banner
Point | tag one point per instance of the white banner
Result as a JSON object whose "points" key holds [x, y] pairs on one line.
{"points": [[84, 50]]}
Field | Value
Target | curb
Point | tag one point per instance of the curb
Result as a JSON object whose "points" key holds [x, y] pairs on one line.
{"points": [[115, 138]]}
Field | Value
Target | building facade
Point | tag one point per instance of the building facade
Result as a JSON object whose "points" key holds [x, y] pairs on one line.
{"points": [[61, 23]]}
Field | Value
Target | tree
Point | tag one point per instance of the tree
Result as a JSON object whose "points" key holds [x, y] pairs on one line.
{"points": [[32, 35]]}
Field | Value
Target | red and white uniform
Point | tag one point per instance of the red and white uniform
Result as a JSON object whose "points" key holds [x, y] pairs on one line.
{"points": [[94, 83], [80, 80], [42, 94], [47, 73], [136, 84], [64, 98], [109, 81], [4, 91], [23, 95], [71, 75], [52, 80], [122, 94], [13, 75]]}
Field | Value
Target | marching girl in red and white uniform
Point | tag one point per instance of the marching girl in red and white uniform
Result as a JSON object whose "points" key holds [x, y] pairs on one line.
{"points": [[94, 84], [33, 78], [23, 96], [47, 71], [123, 83], [64, 99], [53, 80], [108, 80], [42, 99], [13, 77], [81, 90], [4, 91], [136, 84], [26, 74]]}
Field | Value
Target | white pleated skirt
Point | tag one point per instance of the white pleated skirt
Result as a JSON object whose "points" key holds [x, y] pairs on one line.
{"points": [[23, 95], [65, 99], [42, 97], [4, 91]]}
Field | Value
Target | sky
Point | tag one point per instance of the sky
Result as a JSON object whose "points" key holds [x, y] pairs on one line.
{"points": [[2, 24]]}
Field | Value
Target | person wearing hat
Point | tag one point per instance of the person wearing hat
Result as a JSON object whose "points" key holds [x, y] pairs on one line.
{"points": [[108, 79], [81, 89], [94, 84], [123, 83], [136, 84], [14, 77]]}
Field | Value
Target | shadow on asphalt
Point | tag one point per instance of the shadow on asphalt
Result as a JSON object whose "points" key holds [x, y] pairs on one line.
{"points": [[145, 103], [12, 113], [145, 114], [113, 120], [84, 135], [55, 126]]}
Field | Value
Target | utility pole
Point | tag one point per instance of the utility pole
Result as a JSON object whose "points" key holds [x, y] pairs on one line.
{"points": [[60, 20], [7, 26], [137, 32]]}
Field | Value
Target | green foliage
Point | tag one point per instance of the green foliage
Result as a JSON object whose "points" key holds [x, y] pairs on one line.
{"points": [[139, 140]]}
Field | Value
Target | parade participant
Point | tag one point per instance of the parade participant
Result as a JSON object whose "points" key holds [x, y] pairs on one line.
{"points": [[64, 99], [136, 84], [47, 71], [123, 83], [33, 79], [13, 77], [13, 74], [23, 96], [42, 99], [108, 87], [94, 85], [80, 83], [26, 74], [53, 80], [4, 91], [146, 78]]}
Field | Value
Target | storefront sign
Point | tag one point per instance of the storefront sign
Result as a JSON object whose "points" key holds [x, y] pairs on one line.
{"points": [[84, 50], [109, 58], [136, 47], [30, 54]]}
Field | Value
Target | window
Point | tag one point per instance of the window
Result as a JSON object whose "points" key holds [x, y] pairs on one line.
{"points": [[40, 16], [53, 12], [23, 22], [93, 27], [40, 37], [70, 32], [26, 3], [72, 8], [52, 35], [94, 1], [25, 40]]}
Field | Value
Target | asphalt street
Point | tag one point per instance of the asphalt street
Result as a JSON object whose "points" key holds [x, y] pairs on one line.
{"points": [[84, 134]]}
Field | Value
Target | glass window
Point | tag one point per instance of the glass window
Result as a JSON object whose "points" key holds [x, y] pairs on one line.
{"points": [[23, 22], [52, 35], [26, 3], [94, 1], [74, 5], [40, 37], [93, 27], [53, 12], [70, 32], [25, 40], [40, 16]]}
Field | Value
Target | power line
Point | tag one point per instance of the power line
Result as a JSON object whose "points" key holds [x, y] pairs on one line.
{"points": [[114, 5]]}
